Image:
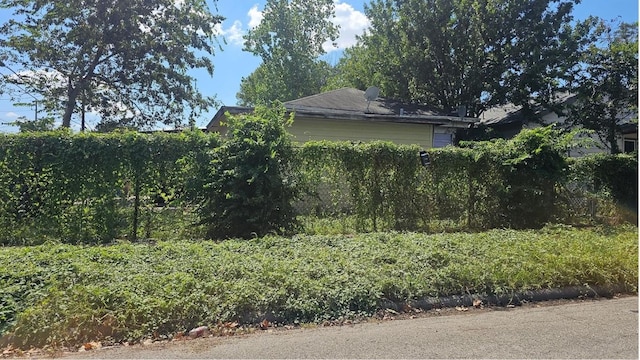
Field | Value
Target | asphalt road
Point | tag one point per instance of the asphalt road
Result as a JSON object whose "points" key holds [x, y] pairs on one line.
{"points": [[595, 329]]}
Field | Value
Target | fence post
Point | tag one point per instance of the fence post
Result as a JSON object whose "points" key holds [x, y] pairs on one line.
{"points": [[136, 209]]}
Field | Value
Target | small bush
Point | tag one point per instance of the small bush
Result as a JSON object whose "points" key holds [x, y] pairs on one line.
{"points": [[251, 187]]}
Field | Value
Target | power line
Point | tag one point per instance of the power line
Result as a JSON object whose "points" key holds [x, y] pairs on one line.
{"points": [[23, 89]]}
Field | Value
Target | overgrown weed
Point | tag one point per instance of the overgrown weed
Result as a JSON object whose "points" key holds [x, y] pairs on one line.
{"points": [[66, 295]]}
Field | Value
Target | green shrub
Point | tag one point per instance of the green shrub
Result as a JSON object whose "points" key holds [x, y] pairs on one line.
{"points": [[78, 188], [610, 178], [528, 170], [93, 188], [251, 187], [378, 181], [499, 183]]}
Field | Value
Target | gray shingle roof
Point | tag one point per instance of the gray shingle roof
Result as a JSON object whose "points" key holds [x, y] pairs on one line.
{"points": [[352, 100], [510, 113], [350, 104]]}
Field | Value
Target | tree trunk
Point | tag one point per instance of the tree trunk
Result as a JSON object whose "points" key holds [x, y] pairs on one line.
{"points": [[612, 132], [74, 92], [71, 102]]}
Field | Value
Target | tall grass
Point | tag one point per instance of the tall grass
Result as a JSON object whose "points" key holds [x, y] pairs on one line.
{"points": [[65, 294]]}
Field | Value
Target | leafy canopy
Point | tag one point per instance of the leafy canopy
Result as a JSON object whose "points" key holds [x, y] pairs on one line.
{"points": [[607, 84], [476, 53], [289, 40], [126, 60]]}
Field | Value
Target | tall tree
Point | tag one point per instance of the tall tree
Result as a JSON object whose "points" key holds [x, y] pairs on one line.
{"points": [[290, 40], [476, 53], [126, 60], [607, 84]]}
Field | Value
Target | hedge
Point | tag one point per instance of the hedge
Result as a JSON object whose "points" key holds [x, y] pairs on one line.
{"points": [[93, 188], [500, 183]]}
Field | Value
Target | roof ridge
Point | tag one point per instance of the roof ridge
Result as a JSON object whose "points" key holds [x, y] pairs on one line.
{"points": [[322, 94]]}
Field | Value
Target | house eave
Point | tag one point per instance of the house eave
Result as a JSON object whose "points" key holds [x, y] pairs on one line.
{"points": [[221, 113], [452, 121]]}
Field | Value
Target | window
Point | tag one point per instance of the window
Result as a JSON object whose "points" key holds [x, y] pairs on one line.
{"points": [[441, 140], [629, 145]]}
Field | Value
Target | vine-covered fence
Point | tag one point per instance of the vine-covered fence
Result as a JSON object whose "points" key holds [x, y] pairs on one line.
{"points": [[95, 188], [521, 183]]}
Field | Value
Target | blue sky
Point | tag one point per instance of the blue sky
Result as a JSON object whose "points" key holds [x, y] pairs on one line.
{"points": [[232, 64]]}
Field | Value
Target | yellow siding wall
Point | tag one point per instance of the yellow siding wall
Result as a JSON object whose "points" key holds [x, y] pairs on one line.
{"points": [[305, 129]]}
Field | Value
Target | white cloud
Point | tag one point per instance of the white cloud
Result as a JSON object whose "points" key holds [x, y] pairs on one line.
{"points": [[232, 34], [255, 16], [11, 115], [352, 23], [218, 30], [236, 31]]}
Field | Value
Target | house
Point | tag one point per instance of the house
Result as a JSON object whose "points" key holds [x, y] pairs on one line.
{"points": [[508, 120], [346, 115]]}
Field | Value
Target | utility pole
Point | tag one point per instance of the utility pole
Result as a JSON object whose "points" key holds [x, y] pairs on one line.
{"points": [[82, 126], [23, 89]]}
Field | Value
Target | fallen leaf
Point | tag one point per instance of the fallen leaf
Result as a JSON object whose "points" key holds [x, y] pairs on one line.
{"points": [[198, 332], [477, 303], [91, 346], [264, 324], [462, 308]]}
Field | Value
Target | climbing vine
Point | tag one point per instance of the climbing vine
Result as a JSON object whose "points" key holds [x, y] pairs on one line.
{"points": [[93, 188], [81, 187]]}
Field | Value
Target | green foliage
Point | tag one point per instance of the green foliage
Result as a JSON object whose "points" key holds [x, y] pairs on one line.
{"points": [[268, 82], [126, 60], [289, 40], [93, 188], [379, 178], [613, 175], [251, 186], [499, 183], [475, 53], [530, 168], [26, 125], [65, 295], [78, 188], [607, 84]]}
